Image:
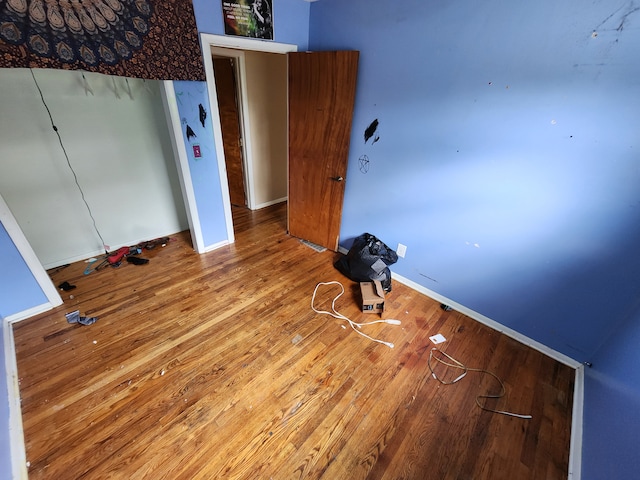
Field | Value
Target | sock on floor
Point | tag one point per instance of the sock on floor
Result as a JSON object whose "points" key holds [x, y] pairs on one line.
{"points": [[137, 260], [66, 286]]}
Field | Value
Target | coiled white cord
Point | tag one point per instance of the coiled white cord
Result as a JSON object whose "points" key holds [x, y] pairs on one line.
{"points": [[334, 313], [458, 365]]}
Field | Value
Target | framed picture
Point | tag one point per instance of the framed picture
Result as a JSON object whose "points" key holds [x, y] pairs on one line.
{"points": [[248, 18]]}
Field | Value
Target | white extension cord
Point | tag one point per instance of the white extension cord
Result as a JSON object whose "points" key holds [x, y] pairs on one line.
{"points": [[334, 313], [455, 364]]}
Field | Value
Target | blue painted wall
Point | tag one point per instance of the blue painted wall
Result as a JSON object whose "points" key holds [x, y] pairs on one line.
{"points": [[205, 176], [19, 290], [507, 158], [612, 407], [507, 161]]}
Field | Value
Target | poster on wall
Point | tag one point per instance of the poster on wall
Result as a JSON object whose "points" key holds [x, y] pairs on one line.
{"points": [[248, 18]]}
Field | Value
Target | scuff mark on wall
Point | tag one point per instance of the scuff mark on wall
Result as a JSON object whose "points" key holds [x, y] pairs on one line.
{"points": [[624, 18], [607, 19], [628, 11], [427, 277], [371, 132]]}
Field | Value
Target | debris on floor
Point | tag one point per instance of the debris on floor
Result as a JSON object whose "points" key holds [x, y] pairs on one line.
{"points": [[74, 317], [66, 286], [137, 260], [129, 254]]}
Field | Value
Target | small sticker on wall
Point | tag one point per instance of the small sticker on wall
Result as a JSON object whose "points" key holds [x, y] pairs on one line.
{"points": [[196, 151]]}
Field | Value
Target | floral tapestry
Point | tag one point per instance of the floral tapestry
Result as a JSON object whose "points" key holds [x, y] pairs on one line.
{"points": [[131, 38]]}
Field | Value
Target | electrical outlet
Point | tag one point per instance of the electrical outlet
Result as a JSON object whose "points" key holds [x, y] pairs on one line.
{"points": [[402, 250]]}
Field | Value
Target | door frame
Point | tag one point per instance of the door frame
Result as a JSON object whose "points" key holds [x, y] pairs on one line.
{"points": [[208, 42], [239, 73]]}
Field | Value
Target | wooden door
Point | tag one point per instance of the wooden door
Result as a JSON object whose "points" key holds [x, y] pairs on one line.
{"points": [[322, 87], [230, 125]]}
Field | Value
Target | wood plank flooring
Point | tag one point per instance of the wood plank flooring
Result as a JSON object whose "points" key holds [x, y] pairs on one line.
{"points": [[214, 366]]}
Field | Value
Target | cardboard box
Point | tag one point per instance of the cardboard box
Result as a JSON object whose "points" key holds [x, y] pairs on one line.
{"points": [[372, 297]]}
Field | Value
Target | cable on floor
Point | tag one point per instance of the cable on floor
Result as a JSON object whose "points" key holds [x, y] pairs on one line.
{"points": [[459, 366], [66, 156], [334, 313]]}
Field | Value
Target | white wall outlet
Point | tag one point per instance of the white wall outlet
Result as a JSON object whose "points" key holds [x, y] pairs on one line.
{"points": [[402, 250]]}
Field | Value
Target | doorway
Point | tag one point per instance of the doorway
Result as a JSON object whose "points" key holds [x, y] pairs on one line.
{"points": [[255, 82], [261, 75], [231, 124]]}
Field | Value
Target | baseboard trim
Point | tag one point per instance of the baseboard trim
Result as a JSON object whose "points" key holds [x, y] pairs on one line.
{"points": [[560, 357], [16, 431], [215, 246], [16, 317], [575, 446], [269, 203]]}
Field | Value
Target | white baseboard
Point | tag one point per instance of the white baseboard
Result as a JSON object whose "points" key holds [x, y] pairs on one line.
{"points": [[575, 449], [74, 258], [269, 203], [16, 432], [215, 246], [16, 317], [100, 254], [560, 357]]}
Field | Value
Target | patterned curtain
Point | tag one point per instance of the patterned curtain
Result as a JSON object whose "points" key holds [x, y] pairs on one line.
{"points": [[152, 39]]}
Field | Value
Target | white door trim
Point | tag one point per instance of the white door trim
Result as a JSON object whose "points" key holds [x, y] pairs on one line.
{"points": [[172, 114], [208, 42], [240, 70], [241, 43]]}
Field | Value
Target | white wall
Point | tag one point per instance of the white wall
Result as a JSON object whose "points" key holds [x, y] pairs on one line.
{"points": [[267, 102], [118, 146]]}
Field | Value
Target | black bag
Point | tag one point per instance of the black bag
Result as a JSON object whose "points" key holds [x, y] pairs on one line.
{"points": [[368, 259]]}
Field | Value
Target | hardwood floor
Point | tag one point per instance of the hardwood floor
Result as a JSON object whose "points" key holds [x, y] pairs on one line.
{"points": [[214, 366]]}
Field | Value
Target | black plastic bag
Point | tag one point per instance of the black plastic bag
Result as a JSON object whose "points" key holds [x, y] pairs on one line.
{"points": [[368, 259]]}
